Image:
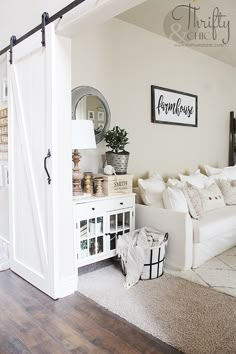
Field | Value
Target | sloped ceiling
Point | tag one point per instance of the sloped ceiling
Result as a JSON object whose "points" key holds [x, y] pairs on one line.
{"points": [[156, 16]]}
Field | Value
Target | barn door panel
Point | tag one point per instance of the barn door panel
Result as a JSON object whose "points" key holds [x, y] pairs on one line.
{"points": [[30, 137]]}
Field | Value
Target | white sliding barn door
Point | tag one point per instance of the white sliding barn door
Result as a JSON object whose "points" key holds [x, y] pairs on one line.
{"points": [[35, 238]]}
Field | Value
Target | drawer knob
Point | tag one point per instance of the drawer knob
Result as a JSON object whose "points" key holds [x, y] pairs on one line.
{"points": [[93, 208], [121, 203]]}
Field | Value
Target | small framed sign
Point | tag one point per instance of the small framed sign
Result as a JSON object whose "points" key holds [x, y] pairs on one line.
{"points": [[173, 107], [91, 115], [101, 117]]}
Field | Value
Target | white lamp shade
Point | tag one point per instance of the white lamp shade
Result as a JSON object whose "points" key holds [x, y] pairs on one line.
{"points": [[82, 134]]}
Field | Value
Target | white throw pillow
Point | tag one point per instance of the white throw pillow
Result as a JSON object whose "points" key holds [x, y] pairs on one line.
{"points": [[174, 182], [228, 189], [227, 172], [197, 179], [174, 198], [214, 178], [210, 171], [151, 190], [155, 174], [201, 200], [230, 172]]}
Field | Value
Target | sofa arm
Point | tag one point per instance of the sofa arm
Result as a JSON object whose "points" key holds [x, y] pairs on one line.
{"points": [[179, 227]]}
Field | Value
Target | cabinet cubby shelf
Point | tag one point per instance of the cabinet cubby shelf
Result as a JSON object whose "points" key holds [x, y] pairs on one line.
{"points": [[91, 236], [119, 228]]}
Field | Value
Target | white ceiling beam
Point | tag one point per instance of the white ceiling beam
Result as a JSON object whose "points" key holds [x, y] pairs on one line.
{"points": [[92, 13]]}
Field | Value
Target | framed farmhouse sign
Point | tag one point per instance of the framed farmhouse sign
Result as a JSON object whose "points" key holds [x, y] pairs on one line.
{"points": [[173, 107]]}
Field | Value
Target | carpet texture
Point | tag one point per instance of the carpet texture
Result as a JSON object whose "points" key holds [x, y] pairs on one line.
{"points": [[188, 316]]}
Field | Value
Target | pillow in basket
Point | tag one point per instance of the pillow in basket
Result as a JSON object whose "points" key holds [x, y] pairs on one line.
{"points": [[201, 200], [228, 189]]}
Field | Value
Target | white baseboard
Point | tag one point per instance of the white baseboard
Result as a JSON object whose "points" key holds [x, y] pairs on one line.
{"points": [[174, 266]]}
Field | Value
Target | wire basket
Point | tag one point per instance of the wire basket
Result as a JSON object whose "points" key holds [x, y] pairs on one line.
{"points": [[154, 261]]}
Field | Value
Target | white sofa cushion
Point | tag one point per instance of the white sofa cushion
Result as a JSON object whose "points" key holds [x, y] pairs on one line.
{"points": [[151, 190], [174, 198], [197, 179], [215, 223]]}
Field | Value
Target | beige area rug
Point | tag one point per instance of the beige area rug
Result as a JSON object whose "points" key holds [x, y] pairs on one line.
{"points": [[218, 273], [188, 316]]}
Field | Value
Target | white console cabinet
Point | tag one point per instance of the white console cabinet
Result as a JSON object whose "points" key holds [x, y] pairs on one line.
{"points": [[98, 222]]}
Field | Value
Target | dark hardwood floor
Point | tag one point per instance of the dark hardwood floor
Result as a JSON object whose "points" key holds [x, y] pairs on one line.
{"points": [[31, 322]]}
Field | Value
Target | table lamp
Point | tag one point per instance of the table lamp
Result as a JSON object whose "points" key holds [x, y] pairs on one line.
{"points": [[82, 138]]}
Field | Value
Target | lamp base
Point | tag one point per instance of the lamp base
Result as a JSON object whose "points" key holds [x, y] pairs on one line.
{"points": [[76, 178], [76, 175]]}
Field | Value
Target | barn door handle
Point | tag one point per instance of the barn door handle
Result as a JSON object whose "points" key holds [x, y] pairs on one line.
{"points": [[45, 165]]}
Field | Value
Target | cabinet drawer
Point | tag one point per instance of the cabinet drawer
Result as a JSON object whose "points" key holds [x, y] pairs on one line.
{"points": [[97, 207], [121, 203], [90, 209]]}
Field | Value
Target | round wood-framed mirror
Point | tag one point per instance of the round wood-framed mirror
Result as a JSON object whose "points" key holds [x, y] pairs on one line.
{"points": [[89, 103]]}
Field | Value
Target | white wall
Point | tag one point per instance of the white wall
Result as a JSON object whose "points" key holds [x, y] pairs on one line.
{"points": [[4, 222], [123, 61], [3, 75], [19, 17]]}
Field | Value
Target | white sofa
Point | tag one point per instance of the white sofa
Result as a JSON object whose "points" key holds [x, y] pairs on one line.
{"points": [[191, 242]]}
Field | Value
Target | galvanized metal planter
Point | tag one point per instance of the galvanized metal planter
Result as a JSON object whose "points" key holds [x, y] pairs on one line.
{"points": [[119, 161]]}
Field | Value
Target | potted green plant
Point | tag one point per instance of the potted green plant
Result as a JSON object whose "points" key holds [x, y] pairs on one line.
{"points": [[116, 139]]}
